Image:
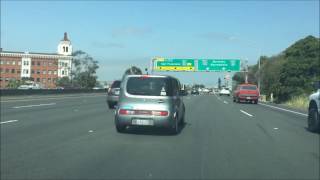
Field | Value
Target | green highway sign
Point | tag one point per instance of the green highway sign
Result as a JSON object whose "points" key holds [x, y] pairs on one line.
{"points": [[202, 65], [163, 64], [219, 65]]}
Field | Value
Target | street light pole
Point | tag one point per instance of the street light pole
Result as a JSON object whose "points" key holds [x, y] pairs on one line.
{"points": [[259, 75]]}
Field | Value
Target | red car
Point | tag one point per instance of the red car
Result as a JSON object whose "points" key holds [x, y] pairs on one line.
{"points": [[247, 93]]}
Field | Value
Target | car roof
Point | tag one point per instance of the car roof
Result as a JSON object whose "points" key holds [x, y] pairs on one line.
{"points": [[150, 75], [247, 84]]}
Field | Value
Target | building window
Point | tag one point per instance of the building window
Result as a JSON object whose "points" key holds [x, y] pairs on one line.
{"points": [[49, 80], [38, 63], [18, 71], [26, 63], [38, 79], [45, 63], [66, 49], [1, 70], [55, 72], [44, 72], [7, 70], [13, 62], [13, 71], [7, 79], [44, 80], [19, 62], [25, 71], [49, 72], [38, 72], [1, 62], [50, 63], [62, 72], [32, 71], [32, 63], [8, 62]]}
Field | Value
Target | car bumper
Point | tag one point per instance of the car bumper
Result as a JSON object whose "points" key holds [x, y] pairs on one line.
{"points": [[248, 98], [112, 98], [163, 122]]}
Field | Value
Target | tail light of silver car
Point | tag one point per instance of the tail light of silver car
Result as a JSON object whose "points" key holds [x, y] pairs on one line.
{"points": [[143, 112]]}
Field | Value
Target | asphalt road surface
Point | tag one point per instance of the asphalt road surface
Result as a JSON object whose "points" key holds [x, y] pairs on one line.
{"points": [[74, 137]]}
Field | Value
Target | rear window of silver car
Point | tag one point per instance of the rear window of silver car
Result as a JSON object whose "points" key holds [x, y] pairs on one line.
{"points": [[150, 86]]}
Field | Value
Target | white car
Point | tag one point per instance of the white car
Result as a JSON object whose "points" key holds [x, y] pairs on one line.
{"points": [[224, 91], [314, 110]]}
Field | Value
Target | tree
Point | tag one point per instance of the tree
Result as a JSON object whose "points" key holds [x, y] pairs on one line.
{"points": [[133, 70], [83, 73], [290, 73], [14, 84], [64, 82]]}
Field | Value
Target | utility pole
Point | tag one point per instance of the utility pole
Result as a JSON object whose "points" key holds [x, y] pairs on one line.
{"points": [[259, 75]]}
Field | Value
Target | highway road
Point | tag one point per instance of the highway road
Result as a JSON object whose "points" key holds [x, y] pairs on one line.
{"points": [[73, 137]]}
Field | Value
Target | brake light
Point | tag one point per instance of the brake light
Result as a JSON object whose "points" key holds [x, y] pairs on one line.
{"points": [[126, 112], [160, 113], [143, 112]]}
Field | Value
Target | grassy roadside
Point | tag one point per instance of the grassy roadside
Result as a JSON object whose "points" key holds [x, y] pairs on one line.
{"points": [[298, 102]]}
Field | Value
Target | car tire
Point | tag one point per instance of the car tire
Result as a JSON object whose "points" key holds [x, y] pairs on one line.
{"points": [[255, 102], [120, 128], [182, 121], [313, 119], [110, 105], [175, 129]]}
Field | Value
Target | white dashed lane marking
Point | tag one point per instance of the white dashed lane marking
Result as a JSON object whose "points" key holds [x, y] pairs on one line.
{"points": [[34, 105], [5, 122], [246, 113]]}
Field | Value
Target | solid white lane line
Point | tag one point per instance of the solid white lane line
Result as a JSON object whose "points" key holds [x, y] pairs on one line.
{"points": [[245, 113], [47, 98], [4, 122], [35, 105], [225, 102], [284, 109]]}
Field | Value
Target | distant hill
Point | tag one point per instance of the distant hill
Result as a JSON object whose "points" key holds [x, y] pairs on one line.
{"points": [[291, 73]]}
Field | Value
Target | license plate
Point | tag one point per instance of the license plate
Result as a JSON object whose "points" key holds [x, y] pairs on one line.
{"points": [[248, 97], [142, 122]]}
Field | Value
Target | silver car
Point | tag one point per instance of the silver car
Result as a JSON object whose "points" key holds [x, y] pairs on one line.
{"points": [[150, 100], [113, 94]]}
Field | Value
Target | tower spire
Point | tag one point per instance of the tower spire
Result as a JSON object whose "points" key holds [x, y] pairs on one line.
{"points": [[65, 38]]}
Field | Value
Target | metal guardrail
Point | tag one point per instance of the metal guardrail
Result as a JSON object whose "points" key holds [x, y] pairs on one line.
{"points": [[18, 92]]}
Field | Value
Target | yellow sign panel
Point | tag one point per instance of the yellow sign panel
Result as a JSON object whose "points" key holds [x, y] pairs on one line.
{"points": [[175, 68]]}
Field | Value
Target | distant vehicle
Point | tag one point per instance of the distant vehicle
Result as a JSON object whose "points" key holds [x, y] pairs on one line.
{"points": [[150, 100], [205, 90], [246, 93], [313, 110], [224, 91], [195, 92], [113, 94], [29, 85]]}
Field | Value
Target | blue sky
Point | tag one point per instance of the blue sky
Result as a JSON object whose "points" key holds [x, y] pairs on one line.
{"points": [[120, 34]]}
